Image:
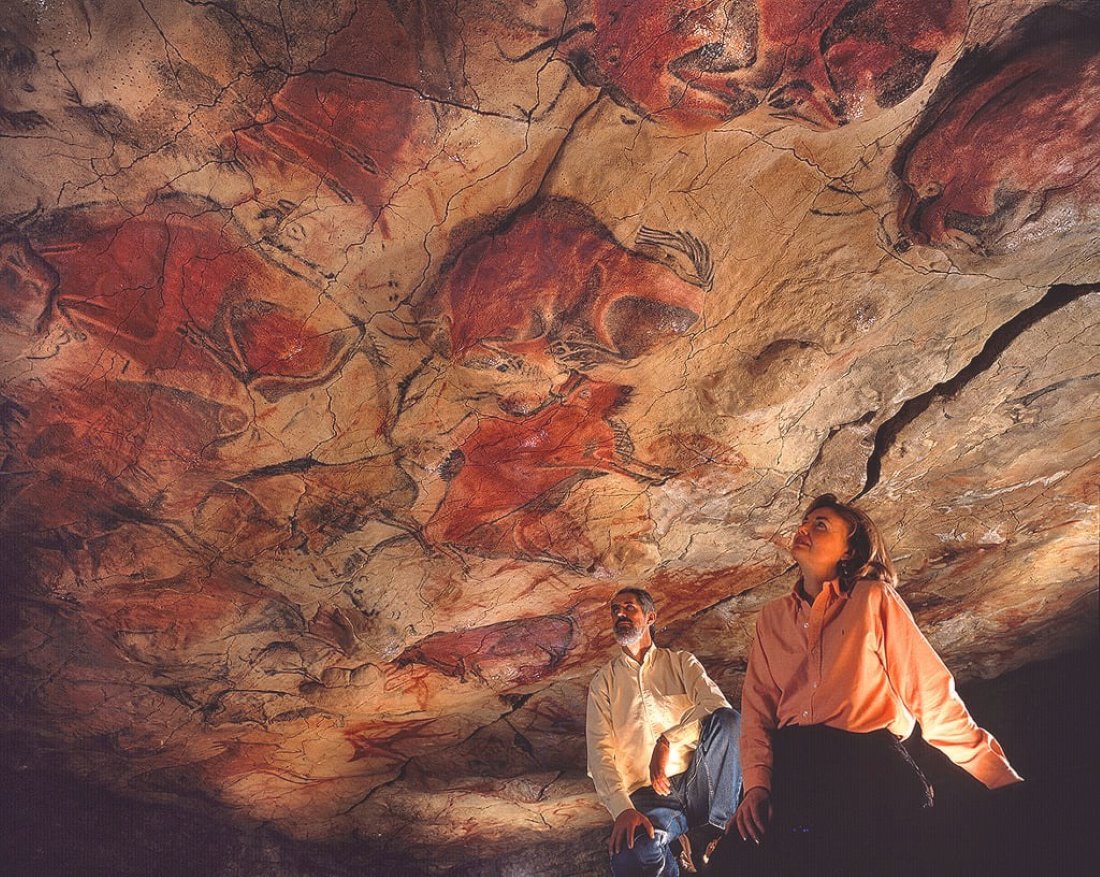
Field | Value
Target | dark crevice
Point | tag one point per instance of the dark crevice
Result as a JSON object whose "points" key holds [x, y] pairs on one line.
{"points": [[515, 701], [1055, 298]]}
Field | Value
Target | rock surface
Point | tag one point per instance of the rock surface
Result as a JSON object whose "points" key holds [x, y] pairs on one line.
{"points": [[353, 353]]}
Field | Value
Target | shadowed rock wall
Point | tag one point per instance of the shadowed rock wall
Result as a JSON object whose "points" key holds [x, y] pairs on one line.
{"points": [[353, 352], [1044, 714]]}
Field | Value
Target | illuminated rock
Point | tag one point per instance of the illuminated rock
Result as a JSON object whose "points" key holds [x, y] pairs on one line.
{"points": [[351, 354]]}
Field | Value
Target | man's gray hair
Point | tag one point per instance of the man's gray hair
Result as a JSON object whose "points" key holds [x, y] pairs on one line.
{"points": [[643, 596]]}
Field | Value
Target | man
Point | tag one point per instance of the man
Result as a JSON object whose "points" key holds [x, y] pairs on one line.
{"points": [[662, 746]]}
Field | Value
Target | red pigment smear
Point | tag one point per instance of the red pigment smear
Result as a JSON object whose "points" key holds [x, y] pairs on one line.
{"points": [[510, 652], [516, 471], [352, 118]]}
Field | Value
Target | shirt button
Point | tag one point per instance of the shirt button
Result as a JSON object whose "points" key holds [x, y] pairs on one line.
{"points": [[805, 712], [815, 685], [806, 624]]}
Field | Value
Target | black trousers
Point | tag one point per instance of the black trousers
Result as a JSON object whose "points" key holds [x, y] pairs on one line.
{"points": [[844, 804]]}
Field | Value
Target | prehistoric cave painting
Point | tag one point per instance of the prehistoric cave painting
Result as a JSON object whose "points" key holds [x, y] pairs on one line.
{"points": [[329, 501], [821, 64], [18, 63], [510, 477], [127, 444], [189, 342], [1008, 149], [552, 293], [670, 60], [351, 119], [308, 519], [506, 654], [27, 285], [394, 743], [177, 289], [189, 618], [847, 58], [538, 302]]}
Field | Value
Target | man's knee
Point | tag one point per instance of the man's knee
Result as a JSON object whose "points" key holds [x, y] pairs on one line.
{"points": [[725, 721], [645, 858]]}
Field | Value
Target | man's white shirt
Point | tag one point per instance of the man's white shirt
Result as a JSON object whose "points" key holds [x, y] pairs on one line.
{"points": [[630, 704]]}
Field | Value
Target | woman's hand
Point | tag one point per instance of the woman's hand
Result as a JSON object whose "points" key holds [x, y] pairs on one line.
{"points": [[754, 814]]}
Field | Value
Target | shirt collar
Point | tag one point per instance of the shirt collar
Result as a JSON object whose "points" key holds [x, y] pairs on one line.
{"points": [[831, 587], [647, 658]]}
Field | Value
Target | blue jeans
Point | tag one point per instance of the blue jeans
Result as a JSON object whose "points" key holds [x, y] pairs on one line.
{"points": [[704, 793]]}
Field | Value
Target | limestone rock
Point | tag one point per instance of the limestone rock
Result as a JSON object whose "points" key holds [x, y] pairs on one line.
{"points": [[354, 353]]}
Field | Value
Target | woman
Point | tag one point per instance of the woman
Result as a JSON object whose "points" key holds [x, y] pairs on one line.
{"points": [[836, 677]]}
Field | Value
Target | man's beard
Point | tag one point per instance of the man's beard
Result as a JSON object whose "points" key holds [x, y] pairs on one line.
{"points": [[630, 636]]}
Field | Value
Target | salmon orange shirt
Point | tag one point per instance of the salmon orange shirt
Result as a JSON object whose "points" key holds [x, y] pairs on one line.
{"points": [[856, 662]]}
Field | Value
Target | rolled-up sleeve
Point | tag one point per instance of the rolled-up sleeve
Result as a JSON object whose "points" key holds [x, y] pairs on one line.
{"points": [[759, 700], [600, 739], [927, 689]]}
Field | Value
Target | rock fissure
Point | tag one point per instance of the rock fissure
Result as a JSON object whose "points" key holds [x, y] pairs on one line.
{"points": [[1054, 299]]}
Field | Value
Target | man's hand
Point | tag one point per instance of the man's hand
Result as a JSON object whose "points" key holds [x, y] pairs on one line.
{"points": [[754, 814], [626, 824], [657, 765]]}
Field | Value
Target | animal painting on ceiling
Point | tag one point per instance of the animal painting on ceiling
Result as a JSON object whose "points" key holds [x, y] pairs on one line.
{"points": [[342, 120], [1007, 151], [541, 302], [168, 352], [504, 655], [821, 64]]}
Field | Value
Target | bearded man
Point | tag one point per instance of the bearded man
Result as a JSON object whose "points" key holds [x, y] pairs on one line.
{"points": [[662, 748]]}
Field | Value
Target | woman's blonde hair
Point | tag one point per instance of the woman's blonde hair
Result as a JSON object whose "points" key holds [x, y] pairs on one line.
{"points": [[870, 559]]}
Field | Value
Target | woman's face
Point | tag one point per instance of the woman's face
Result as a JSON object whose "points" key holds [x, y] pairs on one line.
{"points": [[821, 541]]}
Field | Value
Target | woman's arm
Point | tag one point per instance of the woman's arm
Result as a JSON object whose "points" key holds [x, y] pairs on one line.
{"points": [[759, 703], [927, 689], [759, 700]]}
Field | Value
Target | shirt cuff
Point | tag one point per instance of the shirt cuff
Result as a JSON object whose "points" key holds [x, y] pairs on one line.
{"points": [[993, 770], [757, 778]]}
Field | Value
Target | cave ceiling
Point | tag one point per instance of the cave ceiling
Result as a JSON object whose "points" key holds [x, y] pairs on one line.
{"points": [[353, 352]]}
